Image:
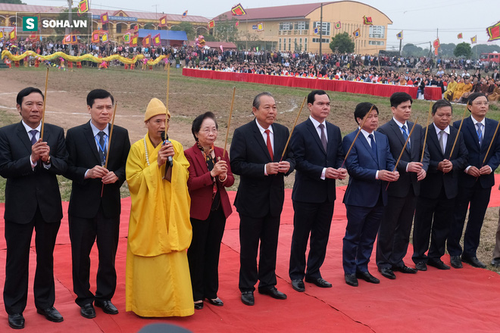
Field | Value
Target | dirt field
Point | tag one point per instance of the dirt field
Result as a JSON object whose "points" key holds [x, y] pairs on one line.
{"points": [[189, 97]]}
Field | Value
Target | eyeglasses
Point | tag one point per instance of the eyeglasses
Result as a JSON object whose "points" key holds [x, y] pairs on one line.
{"points": [[209, 130], [480, 103]]}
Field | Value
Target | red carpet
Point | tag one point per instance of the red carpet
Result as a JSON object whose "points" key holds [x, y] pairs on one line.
{"points": [[464, 300]]}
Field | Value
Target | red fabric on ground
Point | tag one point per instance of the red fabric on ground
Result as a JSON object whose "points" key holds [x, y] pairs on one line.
{"points": [[464, 300]]}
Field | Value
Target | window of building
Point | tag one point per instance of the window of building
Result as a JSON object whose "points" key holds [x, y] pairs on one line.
{"points": [[301, 25], [305, 44], [286, 26], [279, 44], [118, 28], [289, 44], [324, 40], [377, 31], [325, 29], [375, 42]]}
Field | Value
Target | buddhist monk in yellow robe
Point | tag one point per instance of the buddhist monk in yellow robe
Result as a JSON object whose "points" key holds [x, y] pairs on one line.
{"points": [[450, 89], [462, 89], [158, 282]]}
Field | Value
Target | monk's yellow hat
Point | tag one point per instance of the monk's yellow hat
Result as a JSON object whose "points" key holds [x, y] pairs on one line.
{"points": [[155, 107]]}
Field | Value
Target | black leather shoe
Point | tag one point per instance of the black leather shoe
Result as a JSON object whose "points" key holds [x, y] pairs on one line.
{"points": [[421, 266], [456, 262], [106, 306], [473, 261], [404, 269], [495, 262], [388, 273], [438, 263], [16, 321], [247, 298], [320, 282], [273, 292], [215, 301], [367, 277], [351, 280], [88, 311], [51, 314], [298, 285], [198, 305]]}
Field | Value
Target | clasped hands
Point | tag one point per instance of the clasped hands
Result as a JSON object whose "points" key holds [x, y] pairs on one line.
{"points": [[332, 173], [274, 168], [40, 151], [165, 151], [220, 169], [445, 166], [417, 168], [108, 177], [475, 172], [388, 176]]}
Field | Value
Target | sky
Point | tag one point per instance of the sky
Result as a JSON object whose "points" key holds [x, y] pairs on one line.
{"points": [[421, 21]]}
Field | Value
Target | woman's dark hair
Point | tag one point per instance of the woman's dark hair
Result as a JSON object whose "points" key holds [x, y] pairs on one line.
{"points": [[362, 109], [195, 128]]}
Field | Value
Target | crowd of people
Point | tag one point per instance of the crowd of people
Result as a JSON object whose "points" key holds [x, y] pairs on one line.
{"points": [[179, 203], [457, 77]]}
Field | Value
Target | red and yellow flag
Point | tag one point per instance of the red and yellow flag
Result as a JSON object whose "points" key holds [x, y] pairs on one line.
{"points": [[104, 18], [157, 40], [163, 21], [493, 32], [134, 40], [367, 20], [13, 34], [95, 36], [146, 41], [460, 36], [473, 40], [238, 10], [211, 24], [83, 6]]}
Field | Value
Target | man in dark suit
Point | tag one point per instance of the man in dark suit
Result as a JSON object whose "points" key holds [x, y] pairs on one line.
{"points": [[475, 183], [436, 202], [256, 151], [395, 228], [370, 164], [94, 207], [30, 164], [317, 149]]}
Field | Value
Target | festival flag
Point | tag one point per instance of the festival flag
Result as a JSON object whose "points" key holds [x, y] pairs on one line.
{"points": [[238, 10], [184, 14], [367, 20], [104, 37], [494, 32], [1, 34], [34, 37], [357, 33], [13, 34], [473, 40], [399, 35], [83, 6], [460, 36], [163, 21], [104, 18], [136, 28], [260, 26], [211, 24], [70, 39], [436, 44], [126, 38], [146, 41], [221, 48], [134, 40], [157, 40], [338, 25], [237, 23], [95, 36]]}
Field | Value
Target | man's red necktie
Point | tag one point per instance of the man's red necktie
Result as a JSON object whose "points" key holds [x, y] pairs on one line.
{"points": [[268, 142]]}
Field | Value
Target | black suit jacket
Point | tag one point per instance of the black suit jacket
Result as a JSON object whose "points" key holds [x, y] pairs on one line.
{"points": [[86, 193], [258, 194], [477, 153], [406, 180], [435, 181], [28, 188], [311, 158]]}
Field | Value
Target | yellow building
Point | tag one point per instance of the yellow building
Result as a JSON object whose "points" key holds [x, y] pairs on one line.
{"points": [[292, 28], [119, 20]]}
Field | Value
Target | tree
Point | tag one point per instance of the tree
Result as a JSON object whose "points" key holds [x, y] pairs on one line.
{"points": [[446, 50], [411, 50], [225, 29], [187, 27], [342, 43], [463, 49]]}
